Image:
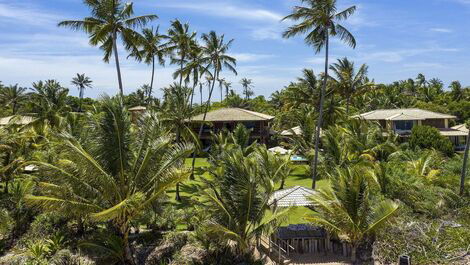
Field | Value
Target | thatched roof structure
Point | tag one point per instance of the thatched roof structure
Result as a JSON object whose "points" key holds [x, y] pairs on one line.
{"points": [[16, 120], [279, 150], [289, 132], [138, 108], [232, 114]]}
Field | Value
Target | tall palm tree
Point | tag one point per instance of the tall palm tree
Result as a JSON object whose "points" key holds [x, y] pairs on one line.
{"points": [[348, 81], [194, 70], [465, 161], [228, 87], [12, 96], [177, 112], [319, 19], [82, 82], [151, 49], [348, 210], [215, 58], [221, 87], [182, 43], [109, 20], [247, 85], [116, 174]]}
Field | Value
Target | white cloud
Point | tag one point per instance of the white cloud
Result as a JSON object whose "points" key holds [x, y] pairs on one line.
{"points": [[62, 68], [267, 33], [28, 15], [400, 55], [251, 57], [441, 30], [317, 60], [421, 65], [216, 8]]}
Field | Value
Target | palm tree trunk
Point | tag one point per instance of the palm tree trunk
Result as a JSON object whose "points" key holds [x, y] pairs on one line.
{"points": [[348, 102], [151, 80], [80, 98], [178, 196], [181, 69], [464, 166], [118, 67], [320, 114], [353, 254], [201, 128], [128, 253], [13, 108], [200, 91], [192, 95]]}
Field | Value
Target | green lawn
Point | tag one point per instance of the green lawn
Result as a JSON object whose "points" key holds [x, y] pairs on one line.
{"points": [[297, 178]]}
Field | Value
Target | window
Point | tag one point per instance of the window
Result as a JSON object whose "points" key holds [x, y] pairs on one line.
{"points": [[250, 125], [403, 125]]}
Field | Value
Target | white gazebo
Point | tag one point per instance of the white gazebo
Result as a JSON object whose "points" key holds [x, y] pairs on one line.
{"points": [[291, 197]]}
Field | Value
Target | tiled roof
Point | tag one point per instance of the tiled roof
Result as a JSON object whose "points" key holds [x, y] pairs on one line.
{"points": [[295, 196], [386, 114], [233, 114], [461, 127]]}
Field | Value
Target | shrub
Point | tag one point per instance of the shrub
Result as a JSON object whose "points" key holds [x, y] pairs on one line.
{"points": [[427, 241], [429, 137]]}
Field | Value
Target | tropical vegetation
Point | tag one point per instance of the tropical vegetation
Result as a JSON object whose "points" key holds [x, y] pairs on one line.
{"points": [[90, 181]]}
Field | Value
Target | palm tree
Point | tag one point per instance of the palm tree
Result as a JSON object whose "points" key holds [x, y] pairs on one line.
{"points": [[215, 56], [49, 103], [194, 70], [228, 87], [221, 84], [177, 111], [82, 82], [116, 174], [247, 85], [13, 147], [109, 20], [465, 161], [424, 166], [151, 48], [347, 209], [182, 42], [348, 81], [303, 143], [238, 201], [12, 96], [306, 91], [320, 19], [457, 91]]}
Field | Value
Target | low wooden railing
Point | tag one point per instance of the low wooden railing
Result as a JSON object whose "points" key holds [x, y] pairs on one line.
{"points": [[281, 254]]}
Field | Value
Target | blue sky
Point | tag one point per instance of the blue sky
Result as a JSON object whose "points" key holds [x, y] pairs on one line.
{"points": [[398, 39]]}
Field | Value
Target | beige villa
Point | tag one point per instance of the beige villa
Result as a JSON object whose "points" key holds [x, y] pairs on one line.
{"points": [[401, 121], [228, 118]]}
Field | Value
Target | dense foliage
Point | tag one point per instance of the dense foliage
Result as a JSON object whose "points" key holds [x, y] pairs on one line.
{"points": [[429, 137], [88, 181]]}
